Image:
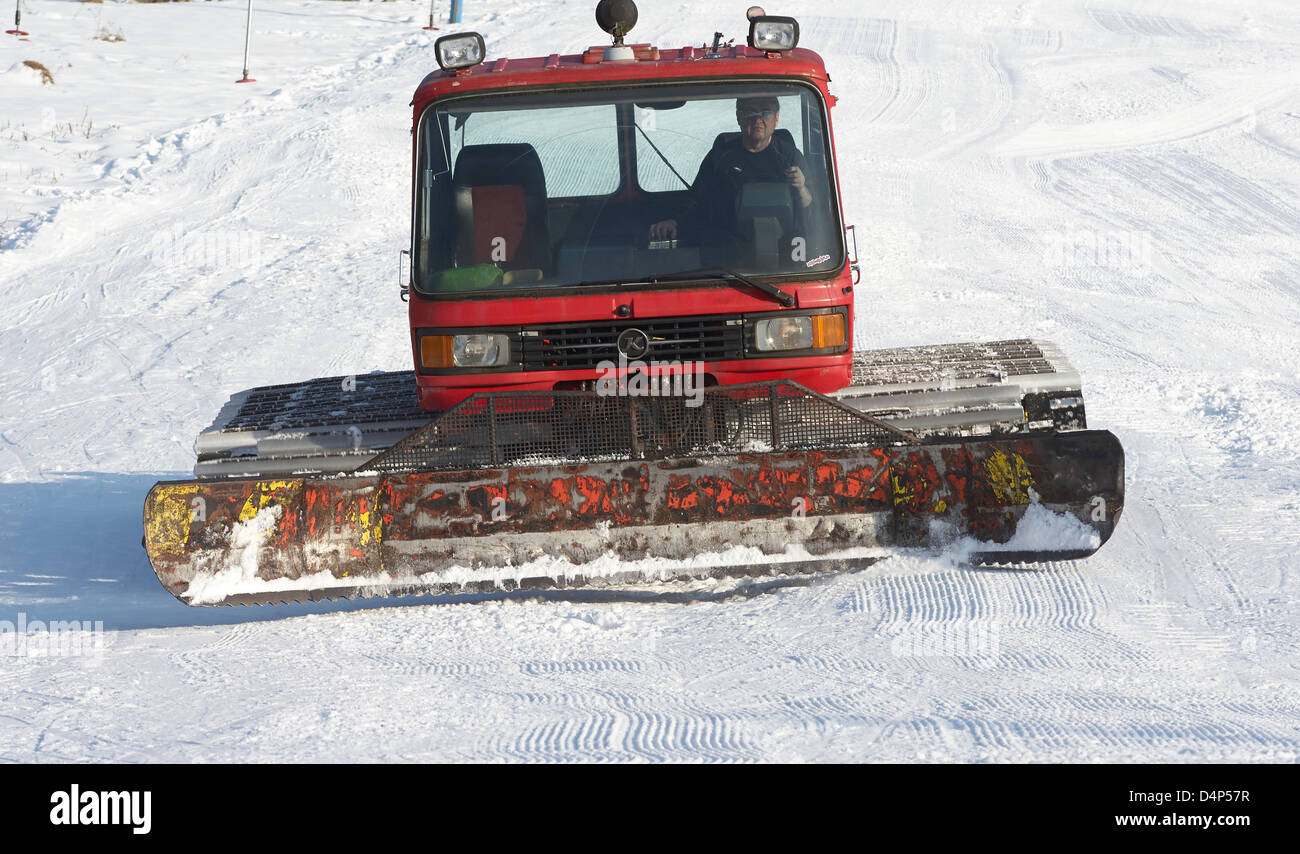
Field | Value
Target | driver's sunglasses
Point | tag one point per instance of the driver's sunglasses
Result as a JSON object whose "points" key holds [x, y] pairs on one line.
{"points": [[755, 114]]}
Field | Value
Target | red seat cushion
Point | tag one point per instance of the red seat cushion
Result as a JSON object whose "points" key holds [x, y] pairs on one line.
{"points": [[499, 215]]}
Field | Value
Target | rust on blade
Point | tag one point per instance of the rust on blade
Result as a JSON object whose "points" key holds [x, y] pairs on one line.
{"points": [[407, 528]]}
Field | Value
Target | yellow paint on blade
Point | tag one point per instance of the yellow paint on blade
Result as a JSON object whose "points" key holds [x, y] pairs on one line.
{"points": [[363, 522], [1009, 476], [369, 520], [902, 492], [266, 493], [169, 514]]}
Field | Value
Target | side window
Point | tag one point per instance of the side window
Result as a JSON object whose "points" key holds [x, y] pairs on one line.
{"points": [[578, 146], [684, 135]]}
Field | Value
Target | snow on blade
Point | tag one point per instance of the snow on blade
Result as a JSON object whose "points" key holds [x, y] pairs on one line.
{"points": [[611, 566], [240, 572], [1043, 529], [240, 576], [1040, 529]]}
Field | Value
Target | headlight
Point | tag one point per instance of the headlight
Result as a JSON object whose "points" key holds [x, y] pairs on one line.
{"points": [[480, 351], [484, 350], [773, 33], [811, 332], [784, 333], [461, 50]]}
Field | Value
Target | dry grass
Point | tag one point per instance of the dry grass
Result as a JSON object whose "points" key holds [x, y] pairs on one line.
{"points": [[104, 34], [46, 76]]}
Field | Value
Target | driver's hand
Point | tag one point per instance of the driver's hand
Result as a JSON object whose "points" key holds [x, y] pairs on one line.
{"points": [[795, 176], [665, 230]]}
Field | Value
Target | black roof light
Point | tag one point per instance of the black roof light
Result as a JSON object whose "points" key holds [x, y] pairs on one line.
{"points": [[460, 50], [617, 17], [773, 33]]}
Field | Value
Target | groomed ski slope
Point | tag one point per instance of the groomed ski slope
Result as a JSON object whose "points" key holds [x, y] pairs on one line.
{"points": [[1118, 176]]}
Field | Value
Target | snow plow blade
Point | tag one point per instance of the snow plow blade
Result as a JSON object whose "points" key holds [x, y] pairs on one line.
{"points": [[570, 489]]}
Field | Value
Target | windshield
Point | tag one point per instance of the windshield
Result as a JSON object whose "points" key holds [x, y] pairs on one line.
{"points": [[626, 185]]}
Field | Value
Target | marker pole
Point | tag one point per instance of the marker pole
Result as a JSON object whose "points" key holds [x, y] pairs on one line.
{"points": [[432, 3], [18, 20], [248, 43]]}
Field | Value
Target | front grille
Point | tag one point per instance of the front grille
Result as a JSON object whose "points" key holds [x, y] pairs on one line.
{"points": [[556, 427], [566, 346]]}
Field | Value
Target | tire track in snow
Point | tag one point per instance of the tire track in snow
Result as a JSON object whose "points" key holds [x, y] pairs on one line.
{"points": [[1218, 198], [1047, 619], [850, 707], [628, 708], [1027, 40], [208, 668], [624, 732], [834, 664], [661, 737], [1002, 730], [1030, 738], [995, 113], [642, 719], [1210, 114], [1035, 624], [585, 666], [1152, 249], [1053, 595], [414, 664], [566, 739], [1138, 24], [874, 38], [1044, 177], [905, 85], [1163, 629], [593, 700]]}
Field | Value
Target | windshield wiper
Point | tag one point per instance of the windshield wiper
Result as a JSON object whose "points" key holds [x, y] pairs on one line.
{"points": [[661, 155], [768, 288]]}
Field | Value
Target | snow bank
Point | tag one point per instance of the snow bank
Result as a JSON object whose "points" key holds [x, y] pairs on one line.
{"points": [[26, 74]]}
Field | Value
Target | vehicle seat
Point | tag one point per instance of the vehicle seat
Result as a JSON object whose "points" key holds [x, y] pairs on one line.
{"points": [[500, 197], [765, 213]]}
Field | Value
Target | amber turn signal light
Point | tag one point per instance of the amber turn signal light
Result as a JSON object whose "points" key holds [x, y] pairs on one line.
{"points": [[435, 351], [827, 330]]}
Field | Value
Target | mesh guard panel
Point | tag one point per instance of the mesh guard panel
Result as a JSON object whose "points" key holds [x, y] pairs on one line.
{"points": [[557, 427]]}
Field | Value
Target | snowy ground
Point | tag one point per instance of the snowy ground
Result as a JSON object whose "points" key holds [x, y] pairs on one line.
{"points": [[1122, 177]]}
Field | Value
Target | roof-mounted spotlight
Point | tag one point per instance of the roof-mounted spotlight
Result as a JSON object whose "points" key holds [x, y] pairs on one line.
{"points": [[459, 51], [773, 33], [617, 17]]}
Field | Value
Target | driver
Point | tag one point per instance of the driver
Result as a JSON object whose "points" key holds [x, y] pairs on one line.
{"points": [[754, 156]]}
